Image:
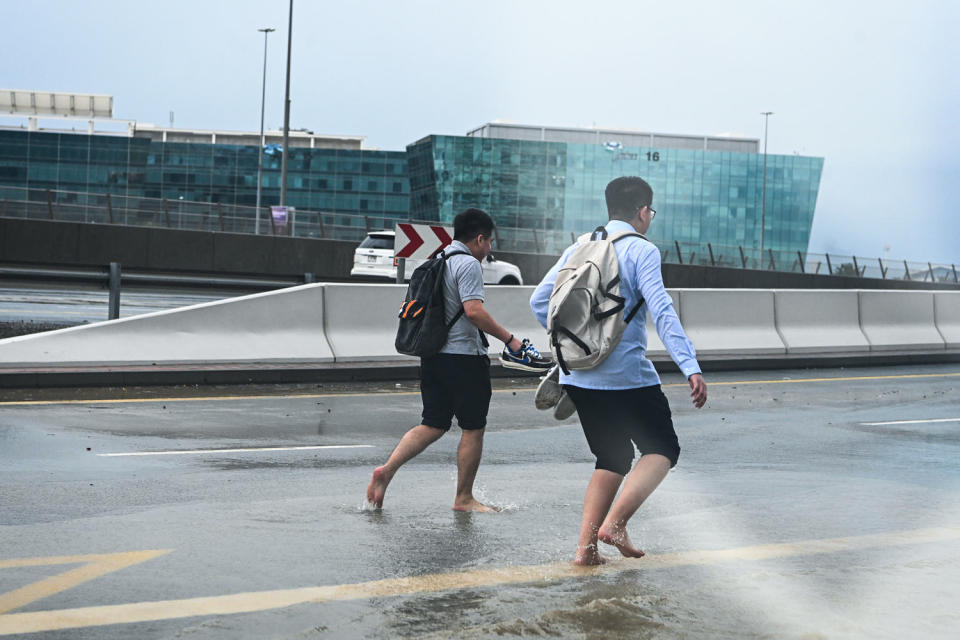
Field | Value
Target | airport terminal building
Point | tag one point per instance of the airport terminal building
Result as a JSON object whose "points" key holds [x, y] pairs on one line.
{"points": [[708, 189]]}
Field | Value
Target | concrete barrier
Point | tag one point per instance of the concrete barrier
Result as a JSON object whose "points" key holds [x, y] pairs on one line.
{"points": [[357, 322], [819, 321], [947, 315], [899, 320], [361, 321], [510, 307], [276, 326], [730, 322]]}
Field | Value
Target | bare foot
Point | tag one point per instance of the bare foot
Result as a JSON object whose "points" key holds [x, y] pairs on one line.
{"points": [[473, 505], [588, 556], [617, 536], [377, 487]]}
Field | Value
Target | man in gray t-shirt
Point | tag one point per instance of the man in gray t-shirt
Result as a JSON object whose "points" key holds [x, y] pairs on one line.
{"points": [[456, 381], [462, 282]]}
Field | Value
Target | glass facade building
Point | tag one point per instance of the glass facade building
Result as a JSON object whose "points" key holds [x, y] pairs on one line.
{"points": [[700, 195], [706, 189], [355, 181]]}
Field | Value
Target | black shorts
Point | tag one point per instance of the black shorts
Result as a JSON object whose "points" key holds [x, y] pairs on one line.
{"points": [[611, 419], [455, 385]]}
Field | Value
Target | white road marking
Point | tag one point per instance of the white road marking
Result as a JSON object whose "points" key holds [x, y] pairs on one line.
{"points": [[880, 424], [245, 450]]}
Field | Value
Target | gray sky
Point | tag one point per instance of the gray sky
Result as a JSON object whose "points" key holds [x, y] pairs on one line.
{"points": [[874, 88]]}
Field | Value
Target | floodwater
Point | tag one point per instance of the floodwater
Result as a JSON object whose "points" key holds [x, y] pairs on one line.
{"points": [[807, 504]]}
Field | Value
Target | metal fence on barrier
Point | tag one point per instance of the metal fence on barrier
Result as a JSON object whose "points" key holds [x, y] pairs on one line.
{"points": [[107, 208]]}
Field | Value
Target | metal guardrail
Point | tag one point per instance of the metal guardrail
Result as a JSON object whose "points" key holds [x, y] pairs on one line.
{"points": [[113, 277], [108, 208], [811, 263]]}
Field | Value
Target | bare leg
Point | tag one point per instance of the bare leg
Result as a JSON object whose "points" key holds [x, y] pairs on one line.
{"points": [[411, 444], [468, 461], [600, 493], [646, 475]]}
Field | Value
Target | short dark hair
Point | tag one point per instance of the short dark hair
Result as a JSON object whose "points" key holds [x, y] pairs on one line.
{"points": [[625, 195], [470, 223]]}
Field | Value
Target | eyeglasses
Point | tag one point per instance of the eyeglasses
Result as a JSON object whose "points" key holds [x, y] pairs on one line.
{"points": [[653, 212]]}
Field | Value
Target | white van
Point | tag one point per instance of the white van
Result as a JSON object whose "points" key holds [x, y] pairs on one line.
{"points": [[374, 257]]}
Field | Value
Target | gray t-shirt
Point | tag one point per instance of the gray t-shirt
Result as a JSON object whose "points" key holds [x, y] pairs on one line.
{"points": [[462, 281]]}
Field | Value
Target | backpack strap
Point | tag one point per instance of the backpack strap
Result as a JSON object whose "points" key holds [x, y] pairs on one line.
{"points": [[620, 236], [601, 233], [460, 252], [633, 311]]}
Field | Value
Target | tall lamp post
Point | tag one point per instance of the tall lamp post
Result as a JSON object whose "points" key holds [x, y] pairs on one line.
{"points": [[286, 116], [763, 205], [263, 98]]}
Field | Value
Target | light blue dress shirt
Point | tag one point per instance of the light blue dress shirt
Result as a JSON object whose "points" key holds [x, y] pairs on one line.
{"points": [[627, 367]]}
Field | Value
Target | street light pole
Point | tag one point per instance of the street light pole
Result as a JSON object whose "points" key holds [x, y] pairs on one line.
{"points": [[286, 116], [763, 206], [263, 99]]}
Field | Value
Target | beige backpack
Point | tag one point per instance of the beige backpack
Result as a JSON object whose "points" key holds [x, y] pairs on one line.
{"points": [[585, 319]]}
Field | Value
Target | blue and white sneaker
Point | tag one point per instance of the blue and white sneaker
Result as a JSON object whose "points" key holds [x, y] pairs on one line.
{"points": [[526, 359]]}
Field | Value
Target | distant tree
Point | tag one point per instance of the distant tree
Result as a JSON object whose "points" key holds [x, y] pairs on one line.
{"points": [[846, 269]]}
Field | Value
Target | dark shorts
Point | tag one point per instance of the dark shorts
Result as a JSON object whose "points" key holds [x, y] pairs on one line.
{"points": [[614, 420], [455, 385]]}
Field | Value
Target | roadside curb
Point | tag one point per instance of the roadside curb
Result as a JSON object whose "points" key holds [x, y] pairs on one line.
{"points": [[279, 373]]}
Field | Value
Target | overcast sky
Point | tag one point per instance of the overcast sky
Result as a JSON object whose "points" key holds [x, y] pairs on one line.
{"points": [[874, 88]]}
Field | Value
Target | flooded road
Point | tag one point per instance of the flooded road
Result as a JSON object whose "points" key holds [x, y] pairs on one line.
{"points": [[806, 504]]}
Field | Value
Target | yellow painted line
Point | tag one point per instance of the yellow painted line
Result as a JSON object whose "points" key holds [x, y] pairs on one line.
{"points": [[314, 396], [33, 622], [93, 567], [845, 379], [883, 424]]}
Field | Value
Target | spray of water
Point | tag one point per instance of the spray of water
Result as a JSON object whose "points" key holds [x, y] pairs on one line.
{"points": [[770, 594]]}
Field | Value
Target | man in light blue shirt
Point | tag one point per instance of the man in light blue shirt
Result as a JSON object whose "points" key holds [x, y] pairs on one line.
{"points": [[619, 402]]}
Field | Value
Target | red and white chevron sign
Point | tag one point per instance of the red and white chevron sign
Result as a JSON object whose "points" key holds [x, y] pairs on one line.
{"points": [[420, 241]]}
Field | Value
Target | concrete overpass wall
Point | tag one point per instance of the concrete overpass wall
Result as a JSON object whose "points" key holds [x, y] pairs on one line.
{"points": [[340, 323]]}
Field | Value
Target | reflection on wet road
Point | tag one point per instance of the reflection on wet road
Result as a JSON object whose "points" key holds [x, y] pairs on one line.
{"points": [[805, 504]]}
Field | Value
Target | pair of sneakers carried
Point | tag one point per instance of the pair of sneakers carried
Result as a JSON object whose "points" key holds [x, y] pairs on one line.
{"points": [[527, 358], [550, 395]]}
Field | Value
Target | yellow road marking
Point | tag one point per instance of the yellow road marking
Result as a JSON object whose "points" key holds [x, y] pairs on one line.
{"points": [[930, 420], [33, 622], [313, 396], [94, 566]]}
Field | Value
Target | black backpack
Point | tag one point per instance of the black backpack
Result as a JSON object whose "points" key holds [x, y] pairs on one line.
{"points": [[423, 326]]}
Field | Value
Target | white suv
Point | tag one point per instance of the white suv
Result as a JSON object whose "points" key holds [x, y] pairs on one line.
{"points": [[374, 257]]}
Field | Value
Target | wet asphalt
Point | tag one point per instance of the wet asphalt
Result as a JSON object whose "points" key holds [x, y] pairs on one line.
{"points": [[776, 468]]}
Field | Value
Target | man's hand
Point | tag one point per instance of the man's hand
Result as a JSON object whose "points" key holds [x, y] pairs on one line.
{"points": [[698, 390]]}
